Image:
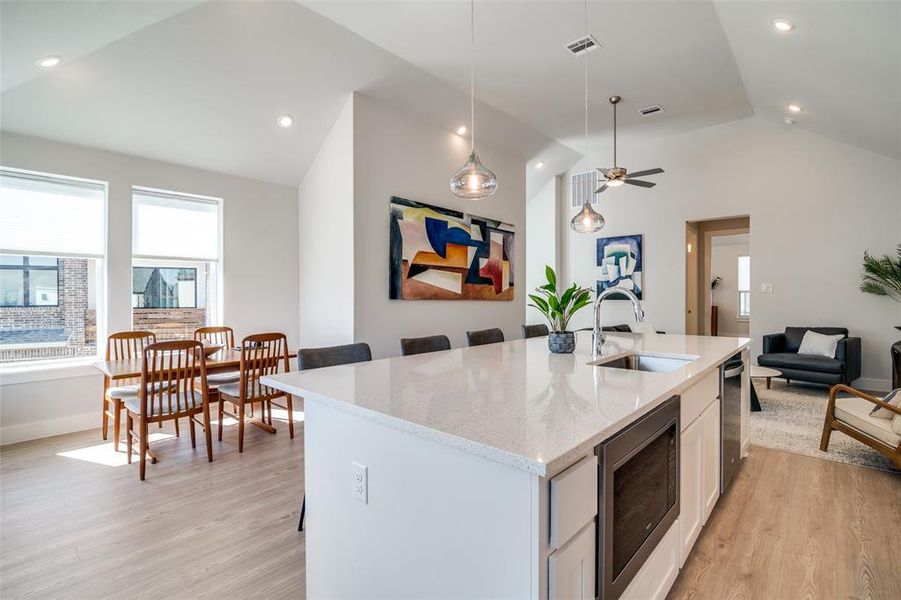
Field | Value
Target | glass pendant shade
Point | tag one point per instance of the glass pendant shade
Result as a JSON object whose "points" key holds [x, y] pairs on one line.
{"points": [[587, 220], [473, 180]]}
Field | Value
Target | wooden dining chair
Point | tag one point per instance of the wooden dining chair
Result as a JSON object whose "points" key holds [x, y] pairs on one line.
{"points": [[167, 392], [219, 336], [123, 345], [261, 354]]}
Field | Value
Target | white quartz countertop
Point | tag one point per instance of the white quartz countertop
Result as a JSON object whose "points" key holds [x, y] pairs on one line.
{"points": [[513, 402]]}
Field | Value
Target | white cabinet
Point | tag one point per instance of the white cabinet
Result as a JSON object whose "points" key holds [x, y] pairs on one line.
{"points": [[571, 568], [657, 575], [699, 485], [710, 449], [690, 476]]}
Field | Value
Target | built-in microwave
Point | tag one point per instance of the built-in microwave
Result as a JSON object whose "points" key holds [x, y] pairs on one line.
{"points": [[638, 495]]}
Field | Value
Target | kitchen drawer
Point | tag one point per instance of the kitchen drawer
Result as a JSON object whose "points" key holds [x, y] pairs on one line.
{"points": [[698, 397], [574, 500], [571, 569]]}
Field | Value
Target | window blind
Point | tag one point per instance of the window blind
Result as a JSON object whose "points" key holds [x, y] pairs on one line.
{"points": [[174, 226], [51, 216]]}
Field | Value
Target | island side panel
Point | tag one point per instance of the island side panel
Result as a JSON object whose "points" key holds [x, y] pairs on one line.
{"points": [[746, 384], [439, 522]]}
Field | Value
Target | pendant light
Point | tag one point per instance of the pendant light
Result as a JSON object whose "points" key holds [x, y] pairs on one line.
{"points": [[587, 220], [473, 180]]}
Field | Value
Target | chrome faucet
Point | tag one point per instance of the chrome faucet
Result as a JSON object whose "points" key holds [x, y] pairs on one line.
{"points": [[597, 338]]}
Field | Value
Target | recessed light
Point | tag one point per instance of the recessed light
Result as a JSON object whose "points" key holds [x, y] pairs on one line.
{"points": [[789, 121], [285, 121], [461, 130], [48, 62], [795, 108], [783, 24], [539, 164]]}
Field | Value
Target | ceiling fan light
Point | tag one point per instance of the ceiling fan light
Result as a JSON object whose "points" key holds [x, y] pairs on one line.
{"points": [[587, 220], [614, 182]]}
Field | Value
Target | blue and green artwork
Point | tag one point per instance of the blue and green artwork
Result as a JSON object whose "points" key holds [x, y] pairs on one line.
{"points": [[620, 265]]}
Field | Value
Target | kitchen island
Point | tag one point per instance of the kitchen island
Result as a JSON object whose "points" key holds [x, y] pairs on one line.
{"points": [[469, 472]]}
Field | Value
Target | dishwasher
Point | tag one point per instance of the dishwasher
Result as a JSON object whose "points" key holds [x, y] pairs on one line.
{"points": [[730, 419]]}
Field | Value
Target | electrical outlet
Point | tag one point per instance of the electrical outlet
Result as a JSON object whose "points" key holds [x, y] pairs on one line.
{"points": [[766, 288], [360, 488]]}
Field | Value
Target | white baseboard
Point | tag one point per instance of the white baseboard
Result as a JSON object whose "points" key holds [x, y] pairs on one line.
{"points": [[48, 427], [872, 384]]}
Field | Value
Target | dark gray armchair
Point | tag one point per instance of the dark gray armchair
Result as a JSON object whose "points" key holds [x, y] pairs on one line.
{"points": [[780, 352]]}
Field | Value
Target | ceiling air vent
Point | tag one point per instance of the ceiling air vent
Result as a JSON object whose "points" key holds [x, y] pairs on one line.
{"points": [[650, 110], [583, 45], [583, 186]]}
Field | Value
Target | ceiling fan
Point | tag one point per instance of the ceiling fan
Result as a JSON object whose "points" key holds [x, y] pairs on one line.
{"points": [[617, 176]]}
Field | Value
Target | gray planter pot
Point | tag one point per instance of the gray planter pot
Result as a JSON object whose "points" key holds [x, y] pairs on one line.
{"points": [[561, 342]]}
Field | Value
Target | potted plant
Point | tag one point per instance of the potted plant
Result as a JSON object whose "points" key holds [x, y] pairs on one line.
{"points": [[558, 309], [882, 277]]}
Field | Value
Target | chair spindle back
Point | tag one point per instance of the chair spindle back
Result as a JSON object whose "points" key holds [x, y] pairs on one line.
{"points": [[167, 379]]}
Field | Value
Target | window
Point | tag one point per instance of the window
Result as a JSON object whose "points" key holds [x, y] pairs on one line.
{"points": [[164, 287], [175, 263], [29, 281], [744, 287], [51, 251]]}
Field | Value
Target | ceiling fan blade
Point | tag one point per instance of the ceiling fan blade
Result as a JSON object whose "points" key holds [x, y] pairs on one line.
{"points": [[601, 189], [648, 172], [645, 184]]}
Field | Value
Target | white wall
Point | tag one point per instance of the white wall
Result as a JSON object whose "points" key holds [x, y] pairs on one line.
{"points": [[724, 263], [815, 206], [259, 265], [541, 241], [326, 212], [395, 155]]}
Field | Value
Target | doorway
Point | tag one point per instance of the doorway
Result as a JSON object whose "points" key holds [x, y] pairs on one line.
{"points": [[717, 276]]}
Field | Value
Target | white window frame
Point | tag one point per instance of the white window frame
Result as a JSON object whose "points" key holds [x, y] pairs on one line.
{"points": [[743, 316], [217, 294], [59, 368]]}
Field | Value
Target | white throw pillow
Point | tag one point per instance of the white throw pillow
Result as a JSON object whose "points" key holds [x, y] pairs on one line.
{"points": [[893, 398], [819, 344], [643, 327]]}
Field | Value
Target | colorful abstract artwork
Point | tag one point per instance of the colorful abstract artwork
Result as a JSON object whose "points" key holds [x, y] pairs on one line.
{"points": [[442, 254], [620, 264]]}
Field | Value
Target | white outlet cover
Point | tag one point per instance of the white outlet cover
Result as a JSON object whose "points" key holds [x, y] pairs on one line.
{"points": [[360, 482]]}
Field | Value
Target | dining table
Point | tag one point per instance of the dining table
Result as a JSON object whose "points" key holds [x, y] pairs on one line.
{"points": [[225, 360]]}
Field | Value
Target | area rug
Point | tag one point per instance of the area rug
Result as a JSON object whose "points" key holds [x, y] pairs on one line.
{"points": [[792, 420]]}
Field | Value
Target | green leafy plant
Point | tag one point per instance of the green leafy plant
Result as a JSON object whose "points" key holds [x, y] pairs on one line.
{"points": [[558, 308], [882, 275]]}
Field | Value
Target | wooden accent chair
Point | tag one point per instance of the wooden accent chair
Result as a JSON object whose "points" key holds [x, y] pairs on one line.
{"points": [[484, 336], [422, 345], [261, 354], [124, 345], [167, 392], [852, 417]]}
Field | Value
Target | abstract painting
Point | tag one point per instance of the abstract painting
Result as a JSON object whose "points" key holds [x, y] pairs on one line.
{"points": [[442, 254], [619, 264]]}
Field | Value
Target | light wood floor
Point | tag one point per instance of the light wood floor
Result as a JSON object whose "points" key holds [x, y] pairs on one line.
{"points": [[790, 526], [793, 526]]}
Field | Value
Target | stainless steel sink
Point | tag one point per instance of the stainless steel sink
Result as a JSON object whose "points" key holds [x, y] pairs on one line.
{"points": [[652, 363]]}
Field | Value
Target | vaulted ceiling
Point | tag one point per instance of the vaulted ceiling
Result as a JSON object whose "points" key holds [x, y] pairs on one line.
{"points": [[201, 83]]}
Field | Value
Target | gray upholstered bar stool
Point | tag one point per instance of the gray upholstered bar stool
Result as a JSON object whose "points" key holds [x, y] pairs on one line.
{"points": [[530, 331], [422, 345], [330, 356], [484, 336]]}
